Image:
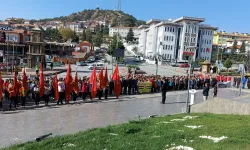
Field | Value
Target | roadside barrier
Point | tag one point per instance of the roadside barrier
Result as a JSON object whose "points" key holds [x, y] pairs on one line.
{"points": [[144, 87]]}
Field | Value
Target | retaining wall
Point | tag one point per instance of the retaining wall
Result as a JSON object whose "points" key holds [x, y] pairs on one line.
{"points": [[222, 106]]}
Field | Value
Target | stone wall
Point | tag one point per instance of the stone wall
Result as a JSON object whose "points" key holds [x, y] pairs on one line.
{"points": [[222, 106]]}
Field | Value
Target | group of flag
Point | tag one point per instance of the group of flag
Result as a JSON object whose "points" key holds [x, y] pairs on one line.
{"points": [[218, 78], [70, 83]]}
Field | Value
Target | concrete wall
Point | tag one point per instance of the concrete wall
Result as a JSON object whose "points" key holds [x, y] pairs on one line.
{"points": [[222, 106]]}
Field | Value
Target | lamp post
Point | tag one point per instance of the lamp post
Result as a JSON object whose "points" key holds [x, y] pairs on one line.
{"points": [[189, 76]]}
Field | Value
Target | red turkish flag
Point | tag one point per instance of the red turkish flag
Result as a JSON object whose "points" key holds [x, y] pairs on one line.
{"points": [[229, 79], [76, 88], [92, 80], [117, 82], [16, 90], [41, 81], [101, 79], [55, 86], [106, 82], [68, 83], [25, 83]]}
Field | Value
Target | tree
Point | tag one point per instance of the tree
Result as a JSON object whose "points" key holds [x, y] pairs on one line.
{"points": [[52, 34], [106, 30], [97, 40], [97, 28], [227, 64], [130, 35], [83, 37], [201, 60], [235, 47], [89, 35], [67, 34], [75, 38], [113, 45], [242, 52]]}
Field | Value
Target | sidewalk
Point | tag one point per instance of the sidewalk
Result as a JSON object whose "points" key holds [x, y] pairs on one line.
{"points": [[32, 72]]}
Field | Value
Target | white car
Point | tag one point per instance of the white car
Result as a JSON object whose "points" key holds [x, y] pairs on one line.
{"points": [[98, 66]]}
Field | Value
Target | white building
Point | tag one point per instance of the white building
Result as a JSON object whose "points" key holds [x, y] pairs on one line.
{"points": [[170, 39], [123, 31], [75, 26]]}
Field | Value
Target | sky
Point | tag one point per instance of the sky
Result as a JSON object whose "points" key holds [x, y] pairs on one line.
{"points": [[228, 15]]}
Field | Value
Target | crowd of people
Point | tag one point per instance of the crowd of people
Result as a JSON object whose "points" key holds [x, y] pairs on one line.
{"points": [[129, 86]]}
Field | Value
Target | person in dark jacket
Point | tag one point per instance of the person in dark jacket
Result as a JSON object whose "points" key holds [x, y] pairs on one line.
{"points": [[124, 85], [129, 85], [164, 90], [215, 91], [248, 83], [205, 92], [111, 87]]}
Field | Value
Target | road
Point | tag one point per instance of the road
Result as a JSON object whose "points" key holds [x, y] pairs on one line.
{"points": [[26, 125], [149, 68]]}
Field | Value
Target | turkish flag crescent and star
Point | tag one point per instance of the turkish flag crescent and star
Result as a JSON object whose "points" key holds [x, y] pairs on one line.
{"points": [[76, 88], [106, 82], [41, 81], [68, 83], [101, 79], [55, 86], [117, 82], [92, 80], [1, 87]]}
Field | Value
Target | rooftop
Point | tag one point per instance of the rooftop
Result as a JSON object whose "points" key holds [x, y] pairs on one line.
{"points": [[189, 18], [123, 27], [206, 26]]}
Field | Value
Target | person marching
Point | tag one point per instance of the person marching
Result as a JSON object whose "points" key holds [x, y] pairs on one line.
{"points": [[84, 89], [37, 94], [74, 92], [47, 92], [12, 94], [22, 94], [61, 90]]}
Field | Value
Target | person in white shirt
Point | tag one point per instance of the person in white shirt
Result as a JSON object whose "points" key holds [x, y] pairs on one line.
{"points": [[47, 91], [37, 94], [61, 90]]}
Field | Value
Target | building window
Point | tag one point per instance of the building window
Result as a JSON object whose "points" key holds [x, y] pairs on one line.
{"points": [[173, 29], [171, 47], [210, 41], [167, 38], [191, 40], [185, 39], [194, 29], [168, 29], [194, 40], [172, 38]]}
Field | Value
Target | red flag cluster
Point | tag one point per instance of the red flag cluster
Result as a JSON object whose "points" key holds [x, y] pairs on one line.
{"points": [[224, 78], [42, 89]]}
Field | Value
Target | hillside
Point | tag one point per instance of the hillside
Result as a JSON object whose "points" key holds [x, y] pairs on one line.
{"points": [[110, 16]]}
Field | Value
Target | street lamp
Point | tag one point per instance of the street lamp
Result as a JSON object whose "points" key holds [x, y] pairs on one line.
{"points": [[189, 54]]}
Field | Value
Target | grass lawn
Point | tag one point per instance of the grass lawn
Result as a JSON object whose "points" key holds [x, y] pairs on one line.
{"points": [[156, 134]]}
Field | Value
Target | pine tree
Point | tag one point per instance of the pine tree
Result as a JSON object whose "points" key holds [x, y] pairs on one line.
{"points": [[228, 63], [97, 40], [130, 35], [235, 45]]}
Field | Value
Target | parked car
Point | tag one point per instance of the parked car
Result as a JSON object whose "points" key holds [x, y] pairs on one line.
{"points": [[184, 65], [97, 65], [81, 63]]}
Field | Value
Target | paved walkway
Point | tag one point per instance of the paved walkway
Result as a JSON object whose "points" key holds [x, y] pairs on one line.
{"points": [[26, 125]]}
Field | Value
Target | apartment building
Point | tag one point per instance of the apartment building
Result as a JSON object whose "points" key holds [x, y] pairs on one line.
{"points": [[171, 39], [123, 31], [221, 38]]}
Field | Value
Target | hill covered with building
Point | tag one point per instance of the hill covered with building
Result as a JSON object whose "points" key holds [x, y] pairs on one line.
{"points": [[109, 17]]}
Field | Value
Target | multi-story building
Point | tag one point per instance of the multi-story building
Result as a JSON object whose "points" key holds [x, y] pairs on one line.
{"points": [[123, 31], [75, 26], [172, 39], [221, 38]]}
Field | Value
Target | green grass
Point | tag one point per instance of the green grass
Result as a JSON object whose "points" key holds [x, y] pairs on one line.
{"points": [[150, 135]]}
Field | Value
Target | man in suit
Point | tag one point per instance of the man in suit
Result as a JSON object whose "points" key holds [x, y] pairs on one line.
{"points": [[164, 90]]}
